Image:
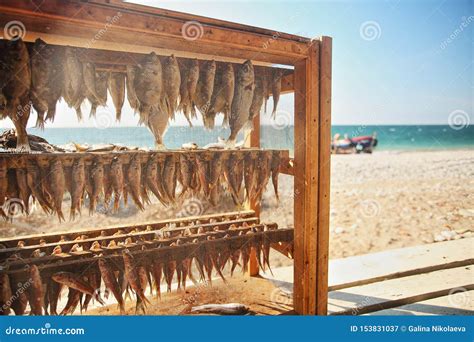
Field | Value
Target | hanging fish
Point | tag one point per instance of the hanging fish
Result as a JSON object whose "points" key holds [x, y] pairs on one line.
{"points": [[24, 191], [77, 283], [96, 177], [111, 283], [117, 92], [151, 179], [57, 186], [223, 93], [130, 83], [275, 169], [276, 89], [205, 86], [132, 276], [157, 123], [170, 177], [34, 182], [190, 77], [117, 181], [241, 102], [171, 84], [149, 86], [46, 76], [77, 186], [134, 180], [259, 93], [35, 291], [73, 87], [5, 294]]}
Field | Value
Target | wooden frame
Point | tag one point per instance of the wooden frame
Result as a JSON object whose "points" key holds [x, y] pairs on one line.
{"points": [[142, 29]]}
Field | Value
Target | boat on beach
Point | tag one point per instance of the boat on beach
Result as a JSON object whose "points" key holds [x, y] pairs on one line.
{"points": [[350, 145]]}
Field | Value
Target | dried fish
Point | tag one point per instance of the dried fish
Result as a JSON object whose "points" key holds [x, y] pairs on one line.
{"points": [[264, 161], [243, 95], [96, 176], [77, 186], [190, 77], [171, 84], [205, 86], [152, 182], [53, 295], [221, 309], [250, 175], [94, 280], [15, 82], [276, 89], [5, 294], [223, 93], [157, 123], [170, 177], [19, 297], [275, 169], [77, 283], [35, 291], [56, 186], [130, 83], [134, 180], [258, 94], [46, 76], [73, 87], [33, 178], [117, 181], [88, 73], [149, 86], [132, 276], [117, 92], [24, 191], [186, 173], [111, 283], [157, 271], [73, 299], [233, 172]]}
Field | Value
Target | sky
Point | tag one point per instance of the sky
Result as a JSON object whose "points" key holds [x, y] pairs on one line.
{"points": [[394, 62]]}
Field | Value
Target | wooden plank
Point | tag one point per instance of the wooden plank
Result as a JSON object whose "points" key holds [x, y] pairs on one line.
{"points": [[397, 292], [324, 153], [50, 237], [459, 303], [396, 263], [254, 142], [306, 181], [85, 20], [201, 19]]}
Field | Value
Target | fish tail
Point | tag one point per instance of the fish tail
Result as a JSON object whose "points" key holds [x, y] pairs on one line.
{"points": [[51, 112], [93, 111], [118, 114]]}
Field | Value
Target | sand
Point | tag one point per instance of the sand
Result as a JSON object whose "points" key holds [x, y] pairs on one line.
{"points": [[380, 201]]}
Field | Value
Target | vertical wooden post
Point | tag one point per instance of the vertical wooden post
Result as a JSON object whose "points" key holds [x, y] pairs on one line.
{"points": [[311, 202], [325, 80], [254, 142]]}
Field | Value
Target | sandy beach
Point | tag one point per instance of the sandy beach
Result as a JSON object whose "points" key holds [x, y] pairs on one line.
{"points": [[380, 201]]}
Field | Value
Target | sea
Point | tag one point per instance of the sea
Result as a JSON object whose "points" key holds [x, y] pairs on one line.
{"points": [[390, 137]]}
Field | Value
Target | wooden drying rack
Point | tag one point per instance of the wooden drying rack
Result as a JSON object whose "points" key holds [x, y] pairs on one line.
{"points": [[143, 29]]}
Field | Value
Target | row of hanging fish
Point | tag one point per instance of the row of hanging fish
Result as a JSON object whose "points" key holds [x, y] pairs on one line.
{"points": [[156, 88], [134, 274], [170, 177]]}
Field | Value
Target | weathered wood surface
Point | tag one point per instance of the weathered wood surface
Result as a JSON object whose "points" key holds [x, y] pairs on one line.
{"points": [[125, 28]]}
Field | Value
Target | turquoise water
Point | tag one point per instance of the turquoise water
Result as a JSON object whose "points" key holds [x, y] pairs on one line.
{"points": [[424, 137]]}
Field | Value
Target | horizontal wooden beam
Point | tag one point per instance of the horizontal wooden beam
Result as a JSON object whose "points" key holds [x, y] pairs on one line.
{"points": [[112, 27]]}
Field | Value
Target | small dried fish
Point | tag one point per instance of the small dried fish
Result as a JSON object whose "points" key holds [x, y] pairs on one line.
{"points": [[77, 187], [171, 84], [134, 180], [259, 93], [117, 92], [20, 298], [57, 186], [151, 178], [132, 276], [250, 175], [111, 283], [89, 76], [157, 271], [77, 283], [53, 294], [221, 100], [157, 123], [35, 291], [117, 181], [170, 177], [33, 174], [275, 169], [130, 83], [5, 294], [241, 102], [221, 309], [186, 173], [96, 174], [24, 191], [205, 86], [276, 89], [190, 77], [73, 87]]}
